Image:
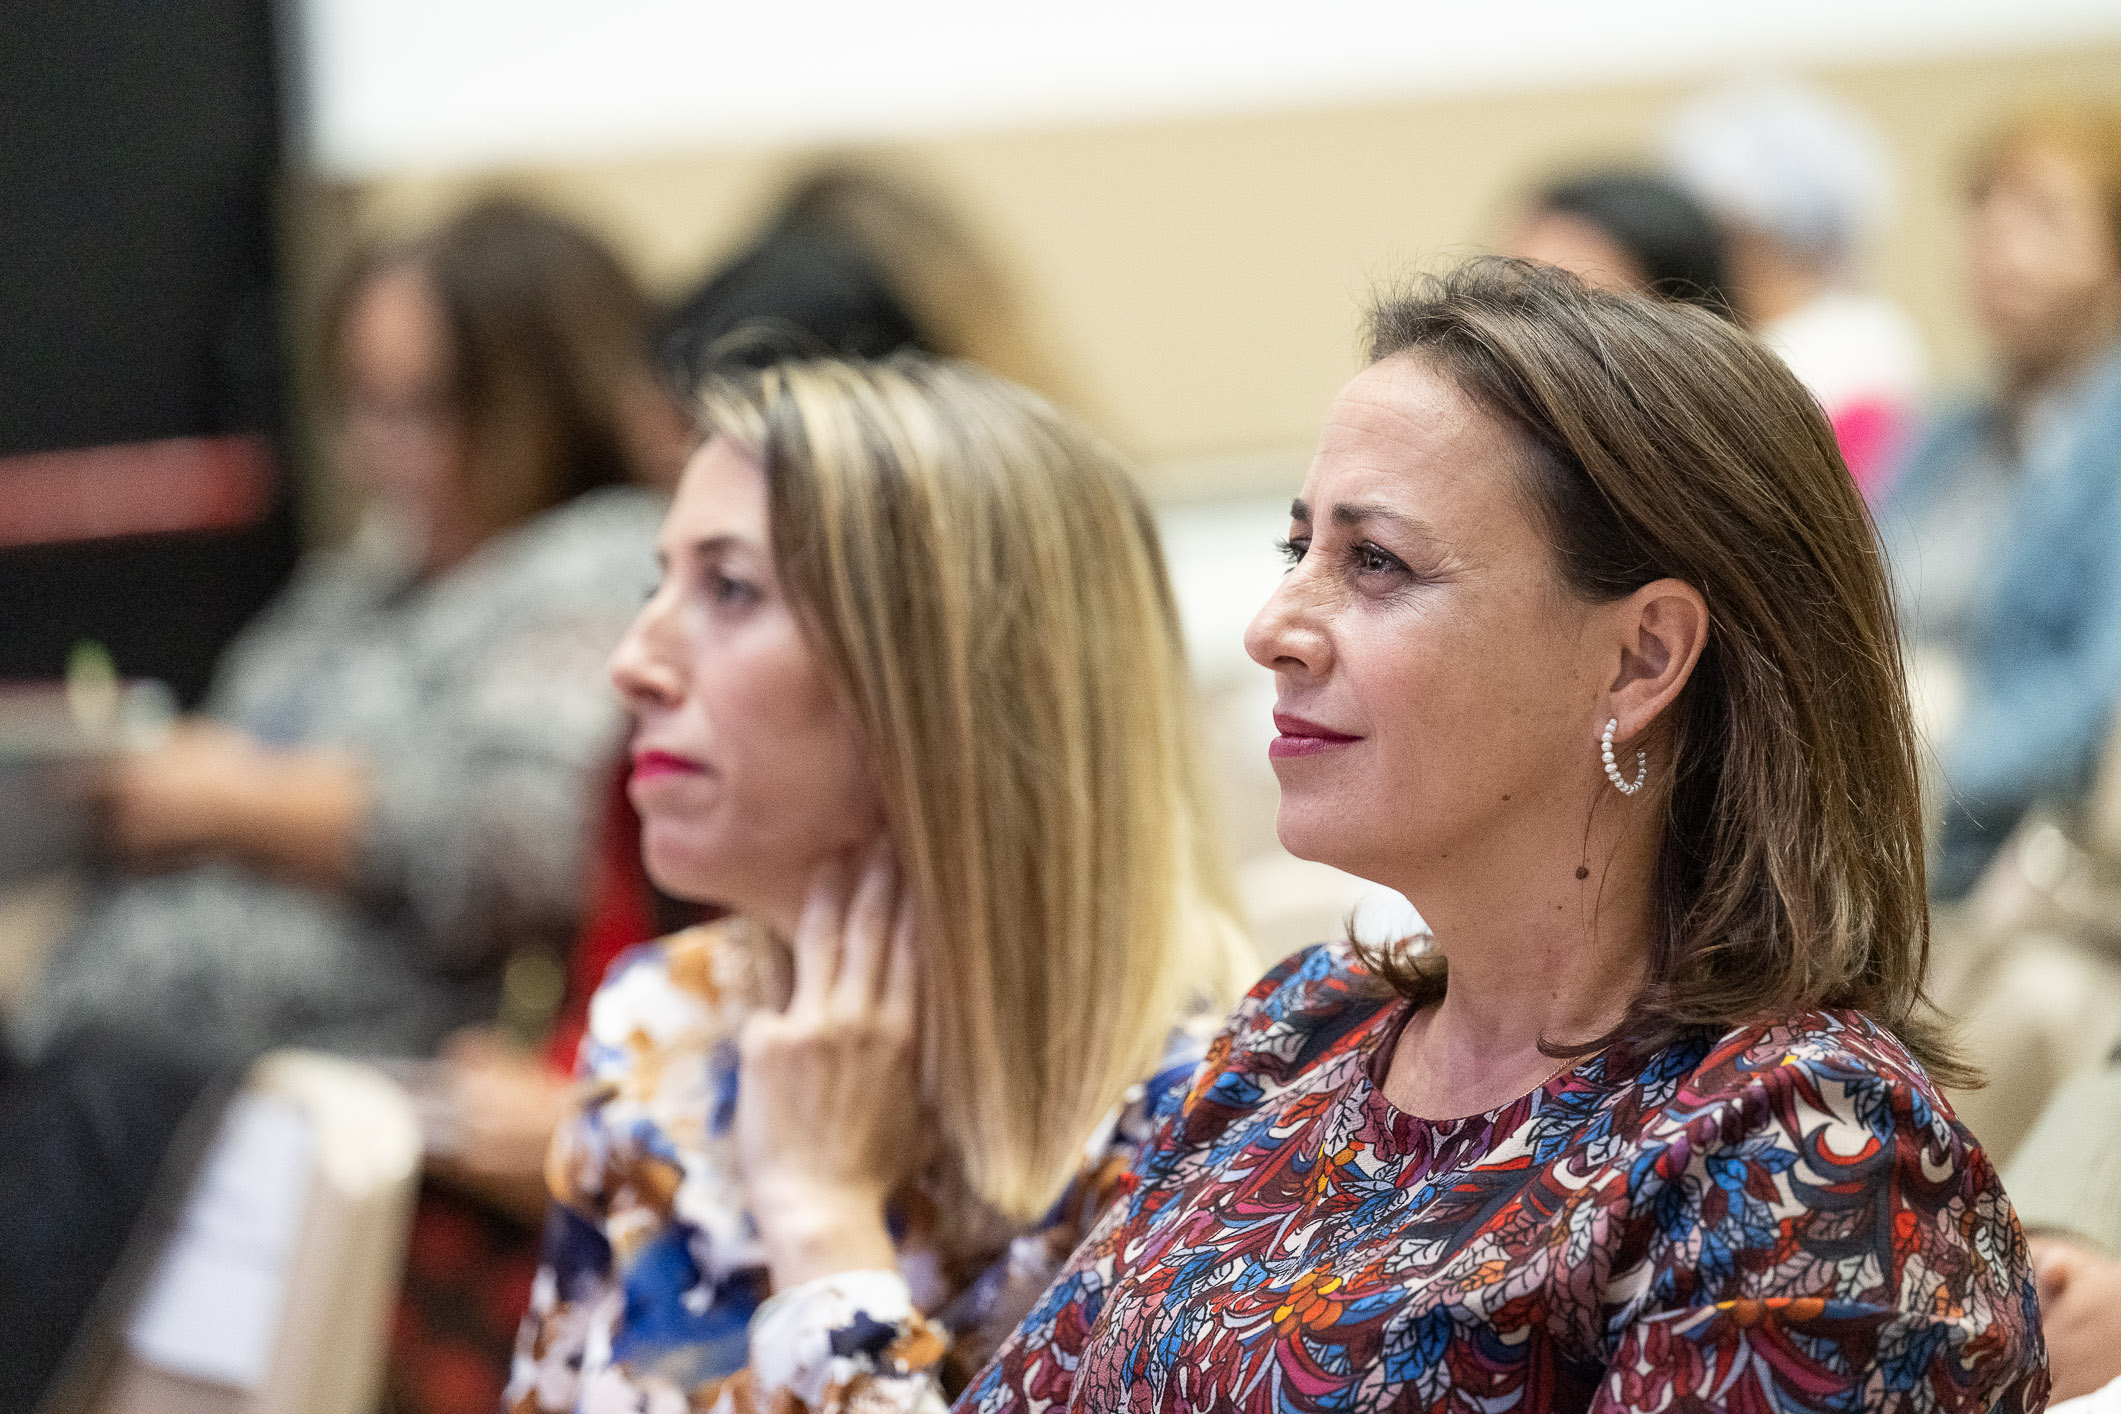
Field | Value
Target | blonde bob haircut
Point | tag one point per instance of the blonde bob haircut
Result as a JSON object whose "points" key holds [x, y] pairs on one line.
{"points": [[984, 581]]}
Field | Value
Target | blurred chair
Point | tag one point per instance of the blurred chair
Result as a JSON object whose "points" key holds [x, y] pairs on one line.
{"points": [[340, 1149], [2030, 964]]}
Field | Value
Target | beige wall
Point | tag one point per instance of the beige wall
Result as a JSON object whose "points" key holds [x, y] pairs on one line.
{"points": [[1193, 285]]}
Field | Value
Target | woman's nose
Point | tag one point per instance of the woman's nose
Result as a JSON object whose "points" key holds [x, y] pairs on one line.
{"points": [[642, 667], [1283, 635]]}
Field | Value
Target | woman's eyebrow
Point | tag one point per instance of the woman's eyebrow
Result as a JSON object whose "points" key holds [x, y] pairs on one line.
{"points": [[715, 545], [1355, 513]]}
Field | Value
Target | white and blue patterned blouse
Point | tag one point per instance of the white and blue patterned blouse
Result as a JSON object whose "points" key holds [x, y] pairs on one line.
{"points": [[652, 1271]]}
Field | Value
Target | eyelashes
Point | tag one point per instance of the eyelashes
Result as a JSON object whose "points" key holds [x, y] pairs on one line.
{"points": [[1372, 559], [1362, 557], [732, 593], [721, 590]]}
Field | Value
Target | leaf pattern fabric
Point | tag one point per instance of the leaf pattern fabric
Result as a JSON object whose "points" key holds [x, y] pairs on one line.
{"points": [[1785, 1217]]}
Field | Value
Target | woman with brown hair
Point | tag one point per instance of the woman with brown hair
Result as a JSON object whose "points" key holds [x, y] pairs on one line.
{"points": [[1585, 647], [389, 787]]}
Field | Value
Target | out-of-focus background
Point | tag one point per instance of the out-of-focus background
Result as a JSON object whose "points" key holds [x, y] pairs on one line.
{"points": [[1164, 217], [1187, 203]]}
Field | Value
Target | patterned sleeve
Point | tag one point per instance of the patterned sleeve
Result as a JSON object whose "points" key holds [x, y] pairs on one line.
{"points": [[1041, 1353], [650, 1275], [857, 1340], [575, 1291], [1823, 1238], [577, 1295]]}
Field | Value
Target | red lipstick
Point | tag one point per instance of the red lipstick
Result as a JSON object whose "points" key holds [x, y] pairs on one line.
{"points": [[1301, 738], [651, 765]]}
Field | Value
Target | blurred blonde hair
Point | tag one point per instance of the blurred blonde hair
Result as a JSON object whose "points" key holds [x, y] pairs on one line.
{"points": [[2087, 135], [985, 582]]}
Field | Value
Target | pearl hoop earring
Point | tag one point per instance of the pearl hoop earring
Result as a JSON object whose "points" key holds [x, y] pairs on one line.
{"points": [[1612, 772]]}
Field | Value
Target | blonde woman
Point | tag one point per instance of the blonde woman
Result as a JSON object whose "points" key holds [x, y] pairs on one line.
{"points": [[911, 703]]}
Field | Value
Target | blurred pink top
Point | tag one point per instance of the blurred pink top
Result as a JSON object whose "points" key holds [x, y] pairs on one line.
{"points": [[1864, 362]]}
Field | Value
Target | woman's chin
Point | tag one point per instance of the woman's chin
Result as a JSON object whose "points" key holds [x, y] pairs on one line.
{"points": [[1306, 835], [678, 870], [1363, 847]]}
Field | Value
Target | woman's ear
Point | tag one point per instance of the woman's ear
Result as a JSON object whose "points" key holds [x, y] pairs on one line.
{"points": [[1661, 629]]}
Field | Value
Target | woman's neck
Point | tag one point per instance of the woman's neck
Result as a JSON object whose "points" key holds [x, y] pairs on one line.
{"points": [[1536, 956]]}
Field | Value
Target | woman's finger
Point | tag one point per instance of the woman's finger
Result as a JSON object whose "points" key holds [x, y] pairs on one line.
{"points": [[901, 999], [867, 935], [817, 938]]}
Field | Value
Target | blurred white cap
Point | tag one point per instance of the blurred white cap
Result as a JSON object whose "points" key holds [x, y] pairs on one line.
{"points": [[1787, 160]]}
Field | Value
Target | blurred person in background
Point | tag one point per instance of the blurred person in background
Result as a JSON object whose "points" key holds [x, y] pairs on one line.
{"points": [[389, 790], [911, 702], [836, 270], [820, 279], [1799, 182], [1626, 231], [854, 262], [2005, 525], [2005, 535]]}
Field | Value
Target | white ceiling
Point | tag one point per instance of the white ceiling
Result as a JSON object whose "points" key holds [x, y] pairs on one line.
{"points": [[389, 85]]}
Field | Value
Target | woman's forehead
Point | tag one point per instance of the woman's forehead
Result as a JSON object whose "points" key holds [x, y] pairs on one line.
{"points": [[1401, 433], [723, 492]]}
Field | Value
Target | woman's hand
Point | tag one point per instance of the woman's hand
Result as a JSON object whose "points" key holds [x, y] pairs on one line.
{"points": [[209, 791], [503, 1103], [828, 1096], [170, 803], [2080, 1314]]}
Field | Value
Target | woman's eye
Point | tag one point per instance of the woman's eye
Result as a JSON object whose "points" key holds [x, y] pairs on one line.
{"points": [[734, 593], [1372, 560], [1293, 549]]}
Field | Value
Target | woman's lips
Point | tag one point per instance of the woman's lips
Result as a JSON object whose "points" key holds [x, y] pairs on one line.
{"points": [[653, 765], [1301, 738]]}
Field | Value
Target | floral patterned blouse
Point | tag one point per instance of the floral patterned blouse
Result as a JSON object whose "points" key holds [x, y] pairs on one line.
{"points": [[1785, 1217], [652, 1272]]}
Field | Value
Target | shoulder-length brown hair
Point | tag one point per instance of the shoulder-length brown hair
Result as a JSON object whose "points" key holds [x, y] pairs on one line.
{"points": [[1662, 442], [549, 344]]}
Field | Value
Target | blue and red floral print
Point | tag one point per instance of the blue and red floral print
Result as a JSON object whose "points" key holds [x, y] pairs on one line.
{"points": [[1785, 1217]]}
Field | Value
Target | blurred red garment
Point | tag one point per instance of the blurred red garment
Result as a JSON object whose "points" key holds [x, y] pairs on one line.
{"points": [[1863, 360], [622, 909], [1872, 433], [468, 1266]]}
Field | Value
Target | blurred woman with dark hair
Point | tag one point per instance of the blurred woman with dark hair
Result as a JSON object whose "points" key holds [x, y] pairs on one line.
{"points": [[1629, 231], [388, 790], [1799, 183]]}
